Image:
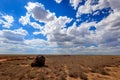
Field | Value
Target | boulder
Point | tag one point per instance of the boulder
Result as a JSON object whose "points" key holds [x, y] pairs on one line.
{"points": [[39, 61]]}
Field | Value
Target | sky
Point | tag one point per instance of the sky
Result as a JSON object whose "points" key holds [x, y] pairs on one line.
{"points": [[60, 27]]}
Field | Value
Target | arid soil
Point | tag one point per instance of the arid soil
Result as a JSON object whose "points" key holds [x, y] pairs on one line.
{"points": [[65, 67]]}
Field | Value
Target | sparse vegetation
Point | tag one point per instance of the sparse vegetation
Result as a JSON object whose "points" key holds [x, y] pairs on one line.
{"points": [[100, 70], [59, 67], [74, 74], [62, 78], [83, 76]]}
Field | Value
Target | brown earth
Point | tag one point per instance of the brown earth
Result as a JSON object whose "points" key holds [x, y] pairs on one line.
{"points": [[63, 67]]}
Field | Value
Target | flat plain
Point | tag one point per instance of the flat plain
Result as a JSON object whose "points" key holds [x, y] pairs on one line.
{"points": [[60, 67]]}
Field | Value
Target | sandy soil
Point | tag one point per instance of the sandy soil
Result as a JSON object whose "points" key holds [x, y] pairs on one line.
{"points": [[61, 68]]}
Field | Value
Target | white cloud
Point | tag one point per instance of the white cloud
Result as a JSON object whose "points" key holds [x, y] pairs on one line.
{"points": [[6, 20], [107, 34], [109, 30], [12, 41], [35, 25], [74, 39], [39, 13], [82, 35], [14, 35], [37, 32], [24, 20], [80, 39], [88, 8], [52, 29], [34, 46], [75, 3], [73, 36], [58, 1], [36, 42]]}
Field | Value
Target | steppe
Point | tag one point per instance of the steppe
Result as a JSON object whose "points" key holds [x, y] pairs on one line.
{"points": [[60, 67]]}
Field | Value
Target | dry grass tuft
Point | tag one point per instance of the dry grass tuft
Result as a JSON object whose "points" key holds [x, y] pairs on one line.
{"points": [[83, 76], [74, 74], [100, 70]]}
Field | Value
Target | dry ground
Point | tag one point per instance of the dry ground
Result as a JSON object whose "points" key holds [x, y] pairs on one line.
{"points": [[63, 67]]}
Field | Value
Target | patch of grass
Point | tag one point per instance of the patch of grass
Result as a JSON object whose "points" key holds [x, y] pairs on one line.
{"points": [[42, 78], [83, 76], [62, 78], [73, 74], [104, 72], [100, 70]]}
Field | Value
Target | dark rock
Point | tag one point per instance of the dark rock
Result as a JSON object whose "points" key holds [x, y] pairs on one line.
{"points": [[38, 62]]}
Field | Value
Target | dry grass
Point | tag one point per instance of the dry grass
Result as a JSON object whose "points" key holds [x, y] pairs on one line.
{"points": [[100, 70], [57, 67], [83, 76]]}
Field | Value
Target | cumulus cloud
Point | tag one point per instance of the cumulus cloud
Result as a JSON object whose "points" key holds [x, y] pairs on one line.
{"points": [[14, 40], [16, 44], [15, 35], [89, 7], [34, 46], [36, 42], [35, 25], [73, 36], [52, 29], [58, 1], [75, 3], [38, 12], [6, 20], [109, 30], [82, 34], [24, 20], [73, 39], [107, 33]]}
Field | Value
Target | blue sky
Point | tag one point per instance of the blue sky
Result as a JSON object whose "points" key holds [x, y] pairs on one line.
{"points": [[59, 27]]}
